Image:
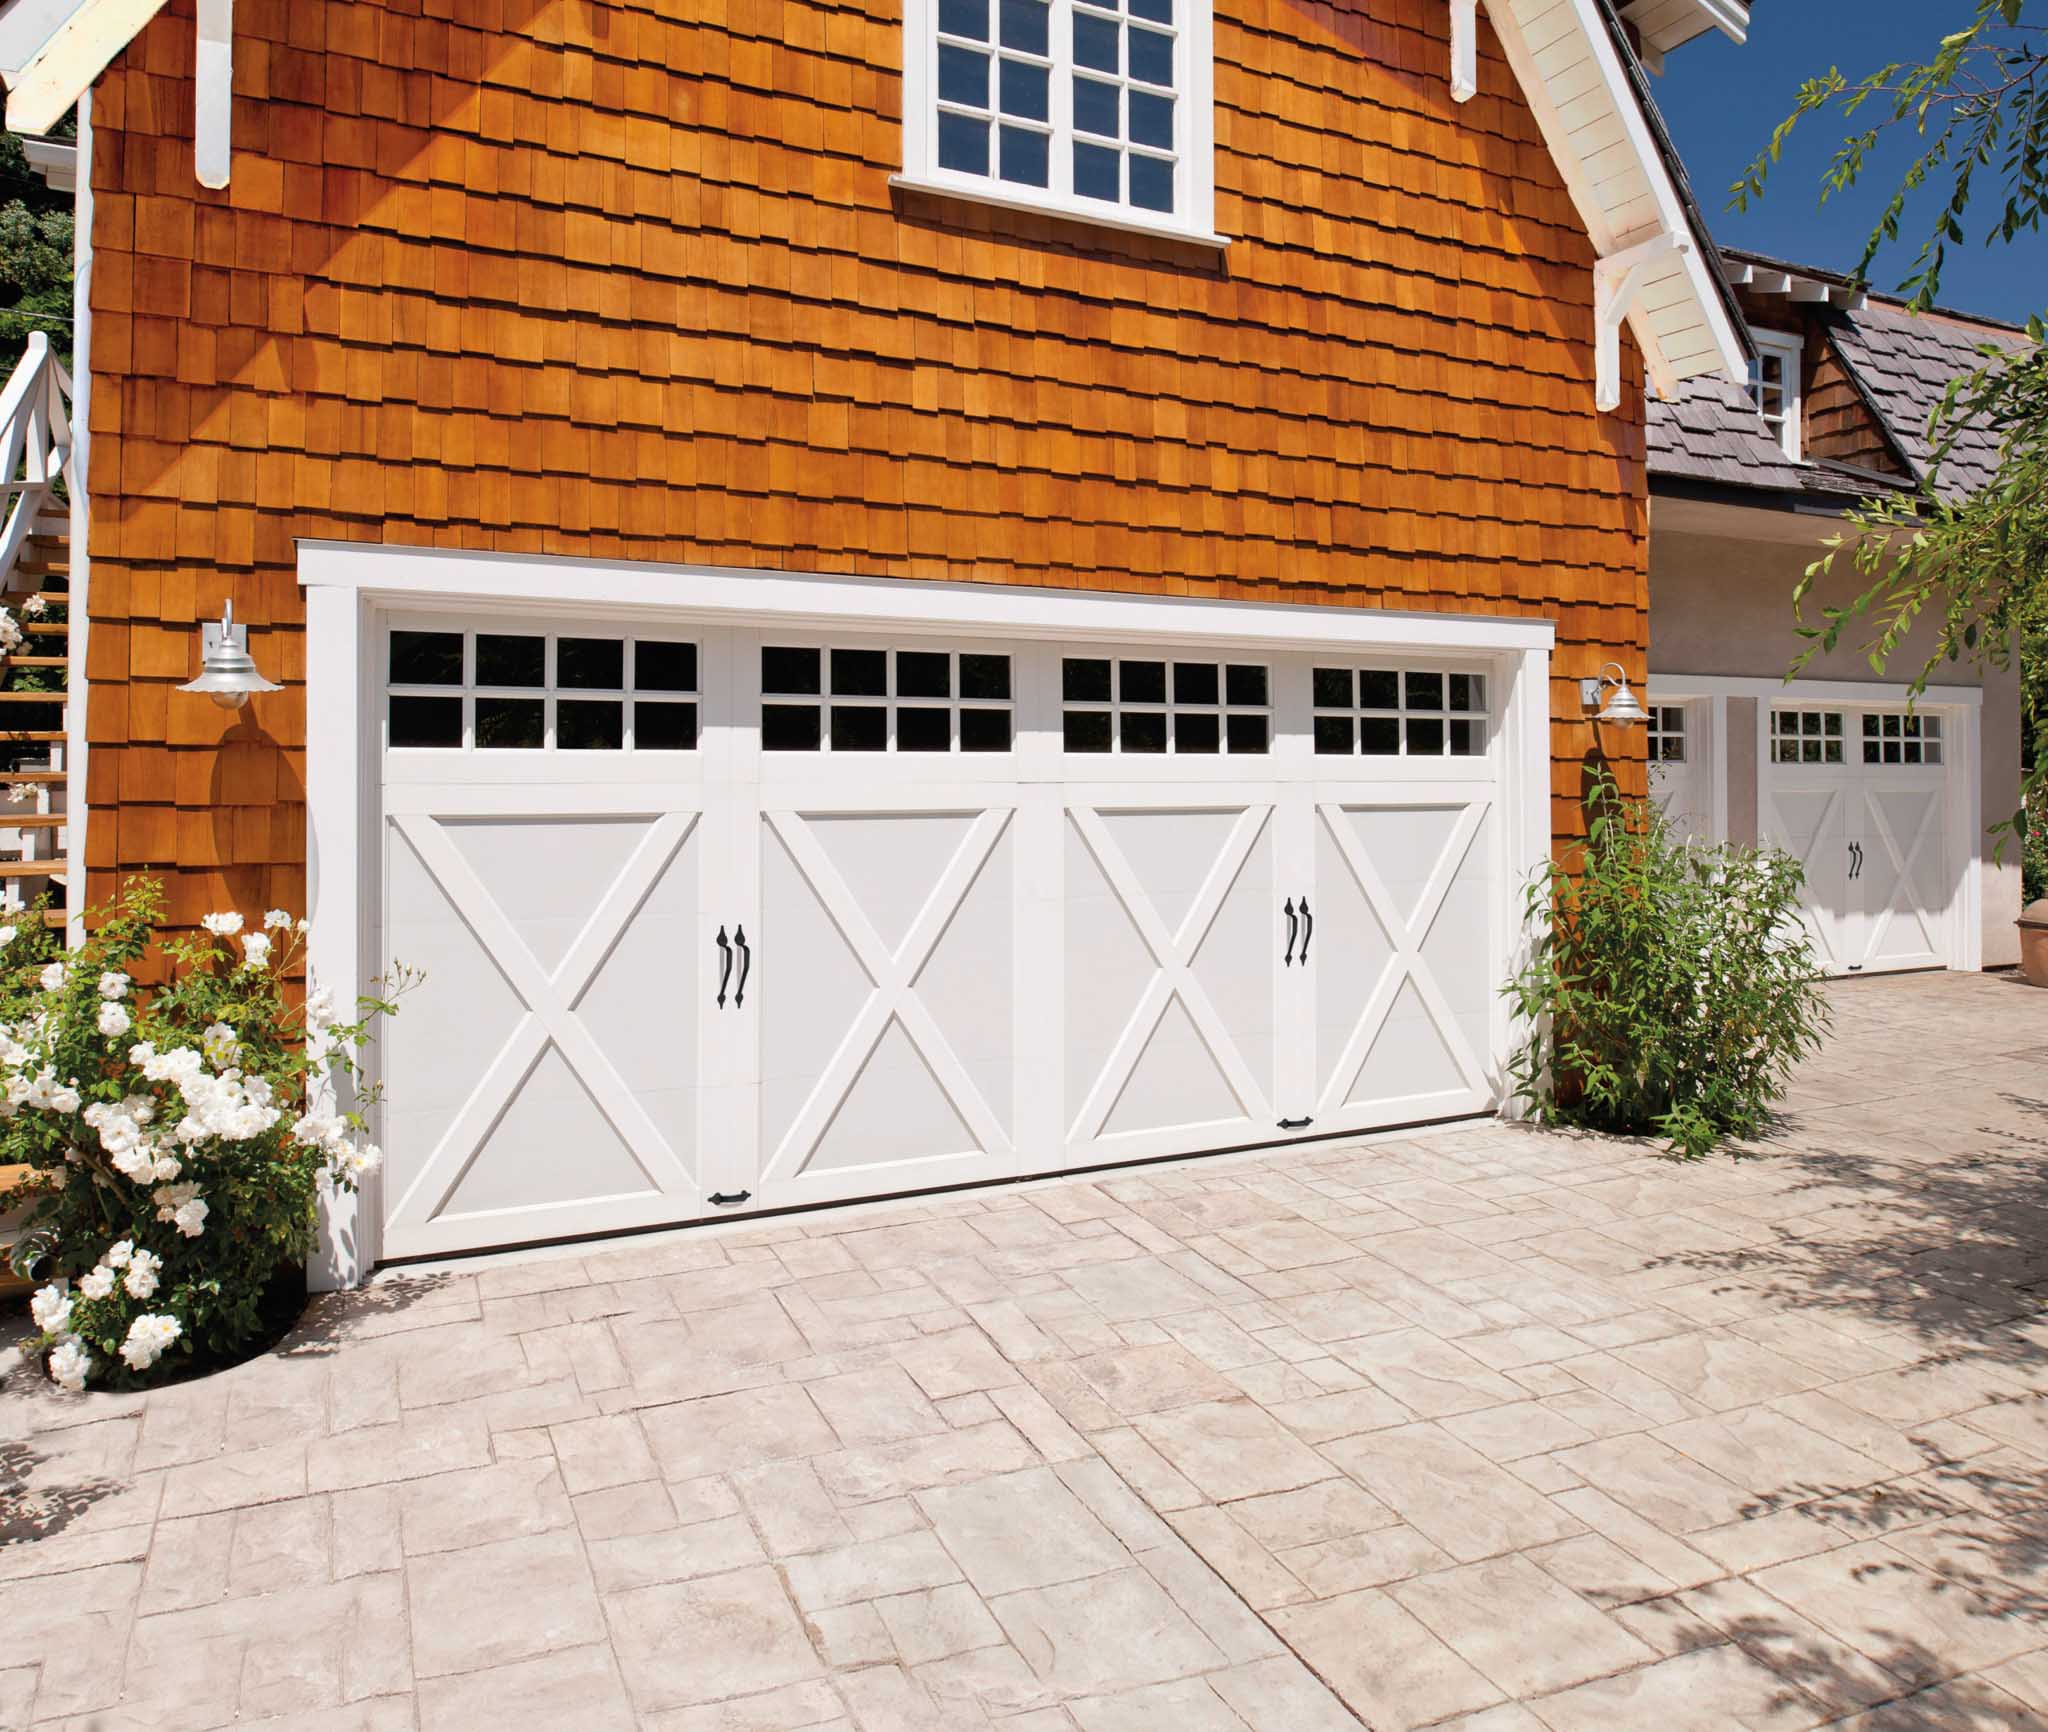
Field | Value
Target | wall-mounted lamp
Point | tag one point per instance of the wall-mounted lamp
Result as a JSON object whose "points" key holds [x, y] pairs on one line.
{"points": [[1622, 709], [226, 674]]}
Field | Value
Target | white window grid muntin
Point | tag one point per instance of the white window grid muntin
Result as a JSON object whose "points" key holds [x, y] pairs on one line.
{"points": [[549, 693], [890, 700], [1667, 734], [1480, 716], [1192, 154], [1810, 737], [1116, 706], [1896, 738], [1786, 350]]}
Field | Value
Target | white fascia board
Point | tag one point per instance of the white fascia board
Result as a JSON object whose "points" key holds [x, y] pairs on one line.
{"points": [[419, 574], [56, 163], [1590, 69], [45, 87]]}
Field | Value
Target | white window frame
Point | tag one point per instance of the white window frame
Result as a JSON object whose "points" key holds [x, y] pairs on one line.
{"points": [[1194, 187], [1790, 350]]}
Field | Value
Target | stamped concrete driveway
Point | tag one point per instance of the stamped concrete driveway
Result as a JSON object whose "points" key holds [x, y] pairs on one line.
{"points": [[1488, 1427]]}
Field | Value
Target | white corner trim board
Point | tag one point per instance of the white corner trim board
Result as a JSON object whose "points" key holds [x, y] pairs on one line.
{"points": [[214, 96], [1464, 50]]}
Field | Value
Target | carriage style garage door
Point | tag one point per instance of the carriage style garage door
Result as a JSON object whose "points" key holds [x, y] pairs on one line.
{"points": [[719, 920], [1861, 797]]}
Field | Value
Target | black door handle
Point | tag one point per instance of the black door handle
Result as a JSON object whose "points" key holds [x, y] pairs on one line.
{"points": [[739, 937], [1308, 928], [1287, 961], [1295, 1124], [724, 965], [726, 1199]]}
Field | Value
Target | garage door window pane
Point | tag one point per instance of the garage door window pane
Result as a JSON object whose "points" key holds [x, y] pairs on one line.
{"points": [[1334, 736], [664, 727], [1087, 731], [1399, 712], [1197, 733], [665, 667], [511, 661], [426, 721], [1141, 682], [591, 663], [984, 730], [1085, 680], [590, 727], [923, 730], [1144, 731], [983, 676], [511, 723], [1185, 707], [790, 670], [920, 674], [426, 658], [789, 727], [860, 673]]}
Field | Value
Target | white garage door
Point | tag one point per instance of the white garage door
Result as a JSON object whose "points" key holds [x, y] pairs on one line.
{"points": [[715, 920], [1860, 797]]}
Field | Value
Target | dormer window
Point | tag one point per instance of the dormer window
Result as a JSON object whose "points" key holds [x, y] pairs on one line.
{"points": [[1774, 386], [1095, 109]]}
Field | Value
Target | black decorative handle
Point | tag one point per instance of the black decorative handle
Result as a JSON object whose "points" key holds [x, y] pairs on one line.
{"points": [[1295, 1124], [1858, 848], [1287, 961], [739, 937], [724, 965], [1308, 928], [726, 1199]]}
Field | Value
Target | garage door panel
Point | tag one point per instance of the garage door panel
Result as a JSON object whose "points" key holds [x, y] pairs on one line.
{"points": [[880, 923], [1900, 877]]}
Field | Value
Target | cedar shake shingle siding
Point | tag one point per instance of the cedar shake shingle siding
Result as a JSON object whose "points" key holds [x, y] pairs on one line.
{"points": [[628, 281]]}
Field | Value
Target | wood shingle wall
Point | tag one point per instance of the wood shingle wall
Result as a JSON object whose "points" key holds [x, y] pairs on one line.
{"points": [[628, 281]]}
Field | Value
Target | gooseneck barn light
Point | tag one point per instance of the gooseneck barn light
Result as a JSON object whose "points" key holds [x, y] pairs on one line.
{"points": [[226, 674], [1623, 709]]}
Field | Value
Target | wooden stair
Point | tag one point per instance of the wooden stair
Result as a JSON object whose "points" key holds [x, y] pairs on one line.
{"points": [[32, 831]]}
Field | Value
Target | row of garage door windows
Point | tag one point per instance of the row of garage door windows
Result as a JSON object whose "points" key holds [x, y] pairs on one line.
{"points": [[448, 689]]}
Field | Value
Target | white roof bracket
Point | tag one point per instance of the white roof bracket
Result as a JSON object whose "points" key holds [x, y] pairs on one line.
{"points": [[214, 96], [1464, 50], [1616, 281]]}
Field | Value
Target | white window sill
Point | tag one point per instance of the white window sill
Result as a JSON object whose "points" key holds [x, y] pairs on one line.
{"points": [[1072, 210]]}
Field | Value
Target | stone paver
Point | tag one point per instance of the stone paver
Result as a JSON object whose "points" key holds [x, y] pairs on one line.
{"points": [[1481, 1428]]}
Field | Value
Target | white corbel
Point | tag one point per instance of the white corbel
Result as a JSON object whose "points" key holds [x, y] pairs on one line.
{"points": [[1617, 280], [214, 96], [1464, 50]]}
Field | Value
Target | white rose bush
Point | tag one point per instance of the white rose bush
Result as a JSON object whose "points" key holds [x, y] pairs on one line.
{"points": [[179, 1134]]}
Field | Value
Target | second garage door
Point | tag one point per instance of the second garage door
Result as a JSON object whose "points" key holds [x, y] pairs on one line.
{"points": [[721, 920]]}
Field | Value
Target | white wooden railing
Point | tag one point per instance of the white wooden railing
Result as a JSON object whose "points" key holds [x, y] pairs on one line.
{"points": [[35, 446]]}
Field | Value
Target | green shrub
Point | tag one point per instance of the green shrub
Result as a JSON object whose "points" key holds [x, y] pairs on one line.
{"points": [[179, 1137], [1670, 987]]}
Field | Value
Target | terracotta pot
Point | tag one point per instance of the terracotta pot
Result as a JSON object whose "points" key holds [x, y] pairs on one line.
{"points": [[2033, 925]]}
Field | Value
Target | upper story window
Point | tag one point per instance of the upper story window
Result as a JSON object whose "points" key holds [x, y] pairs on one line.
{"points": [[1774, 385], [1097, 109]]}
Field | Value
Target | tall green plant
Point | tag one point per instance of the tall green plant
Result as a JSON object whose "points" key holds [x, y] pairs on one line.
{"points": [[1670, 987]]}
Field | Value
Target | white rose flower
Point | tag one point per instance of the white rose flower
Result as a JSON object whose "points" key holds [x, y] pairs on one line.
{"points": [[148, 1336], [53, 977], [222, 925], [7, 935], [65, 1100], [118, 1254], [141, 1053], [70, 1365], [113, 984], [143, 1269], [51, 1308], [114, 1020], [190, 1217], [277, 920], [98, 1284], [255, 949], [320, 1013]]}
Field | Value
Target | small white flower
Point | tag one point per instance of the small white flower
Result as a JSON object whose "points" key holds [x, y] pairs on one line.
{"points": [[98, 1284], [35, 607], [255, 949], [70, 1365], [143, 1269], [113, 984], [53, 977], [148, 1336], [190, 1217], [7, 934], [277, 920], [64, 1100], [118, 1254], [222, 925], [114, 1020], [320, 1012], [51, 1308], [141, 1053]]}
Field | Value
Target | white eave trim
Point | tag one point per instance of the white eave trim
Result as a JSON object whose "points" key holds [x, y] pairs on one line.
{"points": [[1676, 344], [48, 83]]}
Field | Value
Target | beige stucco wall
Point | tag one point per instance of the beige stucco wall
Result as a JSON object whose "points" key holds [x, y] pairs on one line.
{"points": [[1721, 582]]}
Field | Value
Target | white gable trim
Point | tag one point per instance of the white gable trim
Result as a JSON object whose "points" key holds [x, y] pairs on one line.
{"points": [[47, 78], [1579, 91]]}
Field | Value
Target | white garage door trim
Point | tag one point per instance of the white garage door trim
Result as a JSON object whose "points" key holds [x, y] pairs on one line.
{"points": [[348, 587]]}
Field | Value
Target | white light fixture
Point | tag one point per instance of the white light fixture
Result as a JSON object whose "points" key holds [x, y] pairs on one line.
{"points": [[1622, 709], [226, 674]]}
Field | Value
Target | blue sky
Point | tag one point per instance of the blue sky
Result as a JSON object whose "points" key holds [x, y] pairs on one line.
{"points": [[1722, 101]]}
